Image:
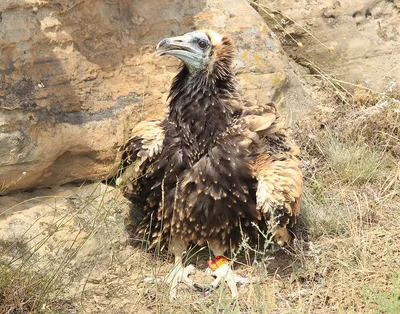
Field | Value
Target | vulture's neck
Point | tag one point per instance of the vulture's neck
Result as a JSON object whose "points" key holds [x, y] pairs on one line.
{"points": [[201, 107]]}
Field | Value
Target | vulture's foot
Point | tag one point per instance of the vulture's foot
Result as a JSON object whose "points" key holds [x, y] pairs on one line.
{"points": [[176, 275], [223, 272]]}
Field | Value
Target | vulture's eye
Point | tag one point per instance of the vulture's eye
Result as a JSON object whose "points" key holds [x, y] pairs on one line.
{"points": [[203, 44]]}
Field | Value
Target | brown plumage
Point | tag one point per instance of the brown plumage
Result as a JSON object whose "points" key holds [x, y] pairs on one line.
{"points": [[215, 164]]}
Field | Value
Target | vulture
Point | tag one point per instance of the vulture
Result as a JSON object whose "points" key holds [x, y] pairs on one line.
{"points": [[216, 169]]}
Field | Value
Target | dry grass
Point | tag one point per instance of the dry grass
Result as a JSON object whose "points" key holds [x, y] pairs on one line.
{"points": [[22, 291], [354, 162], [351, 204]]}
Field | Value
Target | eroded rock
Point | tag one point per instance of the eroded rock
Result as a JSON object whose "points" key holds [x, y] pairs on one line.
{"points": [[364, 34]]}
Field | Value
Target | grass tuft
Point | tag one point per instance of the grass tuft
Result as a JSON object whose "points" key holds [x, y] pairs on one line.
{"points": [[20, 292], [354, 162]]}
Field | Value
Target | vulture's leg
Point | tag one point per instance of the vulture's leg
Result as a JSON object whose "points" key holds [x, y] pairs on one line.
{"points": [[179, 273], [223, 272]]}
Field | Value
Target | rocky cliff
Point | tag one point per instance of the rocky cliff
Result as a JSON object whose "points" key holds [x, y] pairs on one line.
{"points": [[364, 34]]}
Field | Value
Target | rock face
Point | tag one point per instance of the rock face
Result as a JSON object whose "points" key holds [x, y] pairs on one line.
{"points": [[364, 33], [75, 76]]}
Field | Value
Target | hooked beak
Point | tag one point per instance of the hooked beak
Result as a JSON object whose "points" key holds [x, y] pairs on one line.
{"points": [[183, 48]]}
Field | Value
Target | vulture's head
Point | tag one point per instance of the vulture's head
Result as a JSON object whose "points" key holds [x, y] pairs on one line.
{"points": [[199, 50]]}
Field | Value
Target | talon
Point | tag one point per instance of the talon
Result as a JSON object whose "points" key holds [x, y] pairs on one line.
{"points": [[233, 304], [176, 275], [202, 288], [225, 273]]}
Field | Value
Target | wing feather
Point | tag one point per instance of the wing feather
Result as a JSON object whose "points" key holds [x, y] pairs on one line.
{"points": [[279, 182], [277, 168], [139, 153]]}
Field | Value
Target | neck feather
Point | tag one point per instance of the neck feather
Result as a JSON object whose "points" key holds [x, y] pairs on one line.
{"points": [[201, 107]]}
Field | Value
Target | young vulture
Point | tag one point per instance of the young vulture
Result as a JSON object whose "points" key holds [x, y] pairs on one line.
{"points": [[215, 166]]}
